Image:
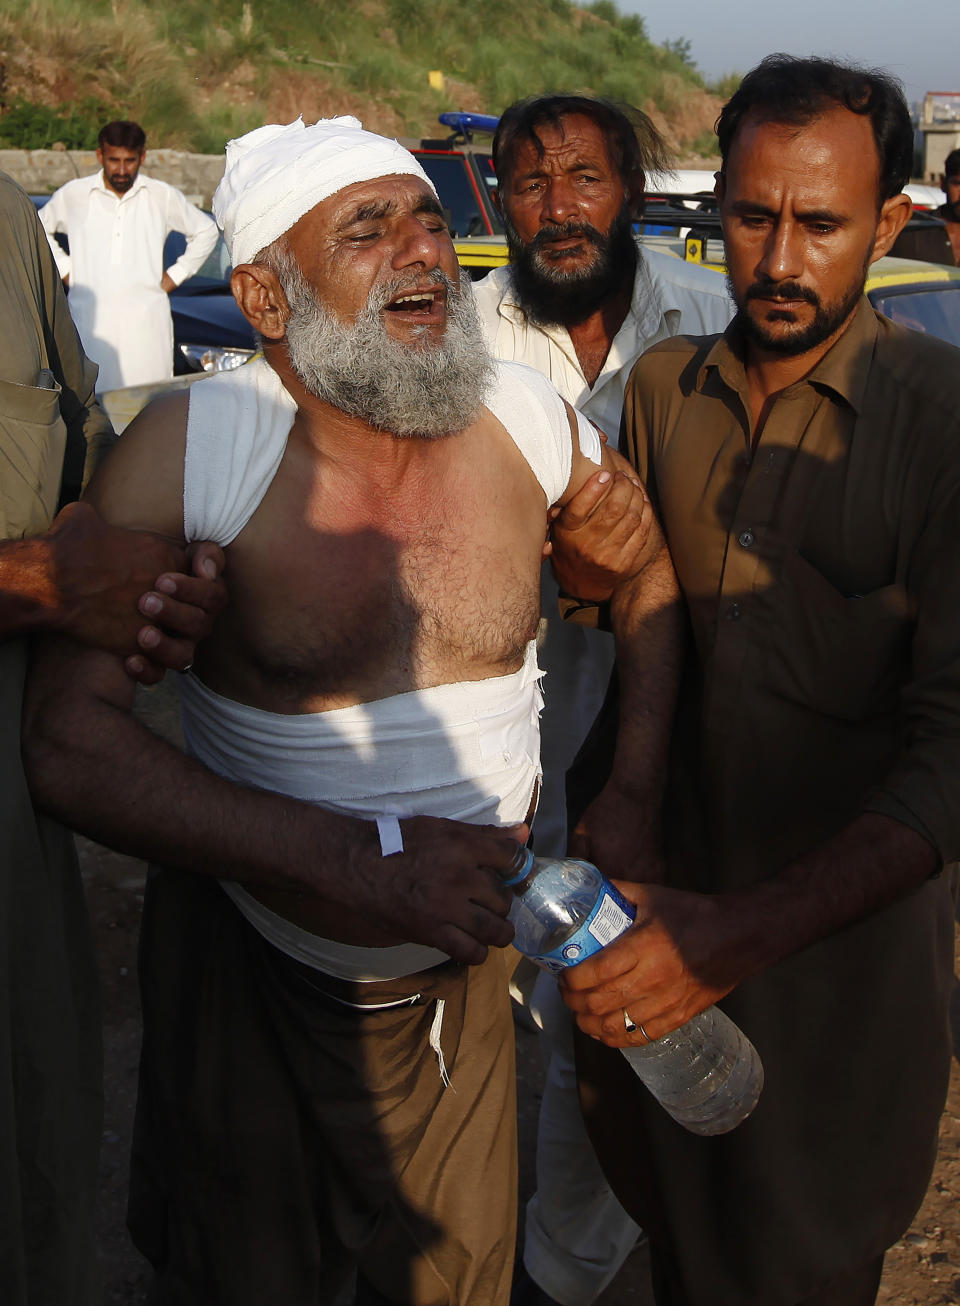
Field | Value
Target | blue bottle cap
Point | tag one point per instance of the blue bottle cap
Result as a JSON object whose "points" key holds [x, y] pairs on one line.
{"points": [[519, 868]]}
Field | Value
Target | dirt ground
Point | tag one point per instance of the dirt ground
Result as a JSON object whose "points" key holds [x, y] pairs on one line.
{"points": [[923, 1269]]}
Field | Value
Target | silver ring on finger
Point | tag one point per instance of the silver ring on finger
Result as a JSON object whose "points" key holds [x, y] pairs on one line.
{"points": [[633, 1027]]}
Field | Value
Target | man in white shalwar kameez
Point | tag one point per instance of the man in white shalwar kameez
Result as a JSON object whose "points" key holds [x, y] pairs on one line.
{"points": [[117, 222]]}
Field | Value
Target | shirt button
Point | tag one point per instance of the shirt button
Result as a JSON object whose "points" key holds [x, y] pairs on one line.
{"points": [[746, 539], [733, 613]]}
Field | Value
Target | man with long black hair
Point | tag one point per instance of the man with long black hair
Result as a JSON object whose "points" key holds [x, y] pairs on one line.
{"points": [[581, 299]]}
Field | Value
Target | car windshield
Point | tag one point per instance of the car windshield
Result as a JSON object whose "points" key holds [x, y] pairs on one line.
{"points": [[934, 308], [489, 174], [459, 195]]}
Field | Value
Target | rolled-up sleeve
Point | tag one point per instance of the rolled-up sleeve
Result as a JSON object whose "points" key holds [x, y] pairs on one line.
{"points": [[89, 433], [53, 218], [200, 232]]}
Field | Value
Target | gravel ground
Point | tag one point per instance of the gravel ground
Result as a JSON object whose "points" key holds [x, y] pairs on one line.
{"points": [[923, 1269]]}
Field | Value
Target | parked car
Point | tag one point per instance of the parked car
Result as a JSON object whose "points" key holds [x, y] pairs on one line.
{"points": [[924, 296], [462, 171], [463, 174], [210, 334]]}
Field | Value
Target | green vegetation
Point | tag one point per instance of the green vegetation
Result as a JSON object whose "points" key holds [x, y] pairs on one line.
{"points": [[195, 72], [704, 144], [725, 86], [28, 126]]}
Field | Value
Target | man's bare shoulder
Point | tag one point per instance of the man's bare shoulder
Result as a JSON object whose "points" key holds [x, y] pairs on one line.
{"points": [[140, 485]]}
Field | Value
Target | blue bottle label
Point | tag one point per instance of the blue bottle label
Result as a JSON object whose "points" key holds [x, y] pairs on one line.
{"points": [[611, 915]]}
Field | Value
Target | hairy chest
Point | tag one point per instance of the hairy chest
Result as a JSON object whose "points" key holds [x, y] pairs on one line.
{"points": [[341, 594]]}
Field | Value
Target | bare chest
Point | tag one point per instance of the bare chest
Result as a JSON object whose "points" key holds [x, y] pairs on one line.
{"points": [[339, 596], [591, 355]]}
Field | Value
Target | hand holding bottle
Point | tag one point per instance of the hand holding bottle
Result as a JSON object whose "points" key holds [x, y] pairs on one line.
{"points": [[706, 1073], [682, 955]]}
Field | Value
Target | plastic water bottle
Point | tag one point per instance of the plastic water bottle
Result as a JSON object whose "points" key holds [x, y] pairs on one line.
{"points": [[706, 1074]]}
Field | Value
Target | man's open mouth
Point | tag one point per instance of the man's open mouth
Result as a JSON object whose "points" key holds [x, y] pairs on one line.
{"points": [[430, 305]]}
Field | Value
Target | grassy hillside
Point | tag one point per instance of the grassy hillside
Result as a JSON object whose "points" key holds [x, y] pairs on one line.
{"points": [[195, 72]]}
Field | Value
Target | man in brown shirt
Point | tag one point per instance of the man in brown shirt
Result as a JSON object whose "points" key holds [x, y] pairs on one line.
{"points": [[806, 465], [79, 576]]}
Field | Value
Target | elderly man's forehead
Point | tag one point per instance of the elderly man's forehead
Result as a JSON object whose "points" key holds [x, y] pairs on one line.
{"points": [[381, 197]]}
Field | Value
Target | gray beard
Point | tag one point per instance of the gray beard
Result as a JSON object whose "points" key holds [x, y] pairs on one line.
{"points": [[424, 391]]}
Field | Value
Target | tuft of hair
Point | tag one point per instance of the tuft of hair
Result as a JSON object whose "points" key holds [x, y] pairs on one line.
{"points": [[123, 135], [784, 88], [634, 143], [951, 164]]}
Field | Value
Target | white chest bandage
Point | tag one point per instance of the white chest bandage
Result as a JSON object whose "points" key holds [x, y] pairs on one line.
{"points": [[467, 751]]}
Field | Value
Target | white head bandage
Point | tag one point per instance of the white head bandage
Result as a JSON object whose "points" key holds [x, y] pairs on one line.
{"points": [[276, 174]]}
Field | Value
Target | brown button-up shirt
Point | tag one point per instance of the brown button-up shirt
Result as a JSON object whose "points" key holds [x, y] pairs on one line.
{"points": [[50, 1109], [822, 572]]}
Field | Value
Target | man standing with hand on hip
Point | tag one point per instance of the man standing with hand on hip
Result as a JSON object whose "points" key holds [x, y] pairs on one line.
{"points": [[116, 222]]}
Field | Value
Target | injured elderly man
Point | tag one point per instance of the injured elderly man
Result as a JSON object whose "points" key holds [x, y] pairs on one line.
{"points": [[327, 1082]]}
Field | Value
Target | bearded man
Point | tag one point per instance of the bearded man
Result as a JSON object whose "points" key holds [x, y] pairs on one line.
{"points": [[117, 222], [807, 463], [327, 1073], [580, 301]]}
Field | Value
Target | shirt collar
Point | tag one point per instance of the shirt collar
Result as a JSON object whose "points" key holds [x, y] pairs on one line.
{"points": [[654, 298], [843, 368]]}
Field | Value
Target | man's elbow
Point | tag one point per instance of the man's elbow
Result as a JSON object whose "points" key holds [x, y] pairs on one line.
{"points": [[45, 751], [61, 733]]}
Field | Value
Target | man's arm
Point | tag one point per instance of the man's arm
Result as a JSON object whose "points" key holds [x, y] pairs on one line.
{"points": [[99, 771], [131, 592], [89, 433], [82, 577], [687, 949], [200, 232], [53, 217], [607, 544]]}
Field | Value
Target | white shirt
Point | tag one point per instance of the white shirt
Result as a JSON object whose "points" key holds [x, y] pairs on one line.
{"points": [[670, 297], [115, 267]]}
